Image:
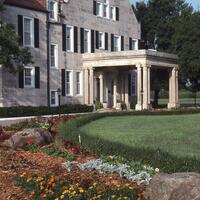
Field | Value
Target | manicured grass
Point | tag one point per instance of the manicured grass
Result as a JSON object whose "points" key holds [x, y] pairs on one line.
{"points": [[177, 135]]}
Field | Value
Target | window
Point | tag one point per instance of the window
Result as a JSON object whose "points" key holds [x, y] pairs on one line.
{"points": [[29, 77], [87, 39], [53, 10], [54, 55], [101, 40], [117, 43], [112, 13], [134, 44], [99, 9], [106, 9], [28, 33], [70, 38], [69, 91], [133, 83], [54, 98], [78, 83]]}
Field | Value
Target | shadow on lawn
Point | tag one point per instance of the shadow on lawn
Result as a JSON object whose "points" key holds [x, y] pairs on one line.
{"points": [[157, 158]]}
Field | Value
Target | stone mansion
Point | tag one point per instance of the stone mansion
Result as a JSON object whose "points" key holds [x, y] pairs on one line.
{"points": [[87, 48]]}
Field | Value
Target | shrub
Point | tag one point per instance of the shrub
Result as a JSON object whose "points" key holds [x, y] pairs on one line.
{"points": [[98, 105], [43, 110]]}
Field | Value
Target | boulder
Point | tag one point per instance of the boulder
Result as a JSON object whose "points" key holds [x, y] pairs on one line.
{"points": [[36, 136], [178, 186]]}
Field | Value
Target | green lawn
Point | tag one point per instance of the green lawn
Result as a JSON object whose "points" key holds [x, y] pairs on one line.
{"points": [[139, 137]]}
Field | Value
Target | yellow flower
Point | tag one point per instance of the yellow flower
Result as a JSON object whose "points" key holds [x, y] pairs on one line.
{"points": [[28, 180], [113, 196], [125, 198], [81, 190], [56, 199], [62, 196], [65, 191]]}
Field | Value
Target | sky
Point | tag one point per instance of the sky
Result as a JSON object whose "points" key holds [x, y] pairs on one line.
{"points": [[195, 3]]}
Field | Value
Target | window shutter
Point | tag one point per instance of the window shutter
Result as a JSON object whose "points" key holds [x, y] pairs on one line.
{"points": [[130, 44], [75, 39], [64, 37], [94, 7], [92, 41], [122, 43], [20, 29], [36, 33], [37, 77], [141, 44], [21, 78], [112, 42], [82, 40], [97, 39], [117, 13], [63, 82], [106, 41]]}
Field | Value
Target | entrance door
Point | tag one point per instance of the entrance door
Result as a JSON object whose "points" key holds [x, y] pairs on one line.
{"points": [[110, 93]]}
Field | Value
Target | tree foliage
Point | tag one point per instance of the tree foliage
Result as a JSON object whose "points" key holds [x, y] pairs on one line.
{"points": [[12, 55]]}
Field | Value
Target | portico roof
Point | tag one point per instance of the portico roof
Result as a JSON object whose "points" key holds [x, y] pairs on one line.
{"points": [[130, 58]]}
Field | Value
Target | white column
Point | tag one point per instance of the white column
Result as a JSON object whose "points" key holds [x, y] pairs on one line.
{"points": [[95, 88], [145, 88], [139, 88], [101, 88], [86, 86], [115, 93], [173, 89], [91, 86], [149, 86], [126, 94]]}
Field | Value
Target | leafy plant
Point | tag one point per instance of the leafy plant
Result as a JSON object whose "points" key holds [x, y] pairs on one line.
{"points": [[53, 151], [98, 105]]}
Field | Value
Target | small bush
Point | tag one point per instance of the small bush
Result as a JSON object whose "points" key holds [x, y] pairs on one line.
{"points": [[98, 105], [23, 111]]}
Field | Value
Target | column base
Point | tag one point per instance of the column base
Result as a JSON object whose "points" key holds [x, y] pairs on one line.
{"points": [[173, 105], [138, 107]]}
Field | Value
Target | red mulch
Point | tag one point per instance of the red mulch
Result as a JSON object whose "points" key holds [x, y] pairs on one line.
{"points": [[15, 163]]}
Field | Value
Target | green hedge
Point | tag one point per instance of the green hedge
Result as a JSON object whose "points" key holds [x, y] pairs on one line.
{"points": [[157, 158], [23, 111]]}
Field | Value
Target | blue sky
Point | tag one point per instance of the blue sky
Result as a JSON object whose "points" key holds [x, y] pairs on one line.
{"points": [[195, 3]]}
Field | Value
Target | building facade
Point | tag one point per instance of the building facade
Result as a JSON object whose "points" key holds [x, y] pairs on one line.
{"points": [[70, 41]]}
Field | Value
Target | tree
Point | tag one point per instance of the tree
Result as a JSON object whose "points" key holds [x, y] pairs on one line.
{"points": [[12, 56], [158, 25], [186, 41]]}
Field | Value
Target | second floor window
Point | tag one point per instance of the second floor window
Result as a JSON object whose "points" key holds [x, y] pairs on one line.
{"points": [[99, 8], [112, 13], [101, 40], [53, 10], [54, 55], [28, 32], [134, 44], [106, 9], [87, 45], [117, 42], [70, 38]]}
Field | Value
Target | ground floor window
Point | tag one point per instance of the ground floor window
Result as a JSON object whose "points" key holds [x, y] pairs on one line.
{"points": [[29, 77], [69, 83], [133, 83], [78, 83], [54, 98]]}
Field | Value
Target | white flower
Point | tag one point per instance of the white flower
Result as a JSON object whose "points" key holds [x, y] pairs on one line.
{"points": [[157, 170]]}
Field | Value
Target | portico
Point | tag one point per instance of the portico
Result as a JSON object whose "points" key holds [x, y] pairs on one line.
{"points": [[108, 77]]}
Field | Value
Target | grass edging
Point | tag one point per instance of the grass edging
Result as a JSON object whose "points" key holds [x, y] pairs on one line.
{"points": [[156, 158]]}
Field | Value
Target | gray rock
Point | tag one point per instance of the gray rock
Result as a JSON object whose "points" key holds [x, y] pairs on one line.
{"points": [[178, 186], [36, 136]]}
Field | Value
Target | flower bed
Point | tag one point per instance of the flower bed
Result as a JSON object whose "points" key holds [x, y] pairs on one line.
{"points": [[55, 187], [132, 171]]}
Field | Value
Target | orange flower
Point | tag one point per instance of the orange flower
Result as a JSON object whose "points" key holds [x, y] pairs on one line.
{"points": [[33, 193]]}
